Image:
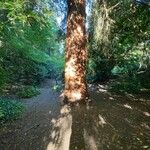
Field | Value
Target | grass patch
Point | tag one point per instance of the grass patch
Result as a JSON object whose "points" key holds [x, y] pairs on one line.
{"points": [[28, 92], [10, 109]]}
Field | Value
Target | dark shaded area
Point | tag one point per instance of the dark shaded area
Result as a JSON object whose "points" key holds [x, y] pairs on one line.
{"points": [[109, 122]]}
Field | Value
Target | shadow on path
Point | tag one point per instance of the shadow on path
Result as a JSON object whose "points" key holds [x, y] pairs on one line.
{"points": [[111, 122]]}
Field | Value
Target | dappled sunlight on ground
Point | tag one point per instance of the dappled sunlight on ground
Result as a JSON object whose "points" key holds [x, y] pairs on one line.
{"points": [[101, 120], [109, 122], [90, 141], [61, 131], [146, 114], [127, 106]]}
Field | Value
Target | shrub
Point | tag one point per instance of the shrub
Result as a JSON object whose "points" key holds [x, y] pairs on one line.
{"points": [[10, 109], [129, 85], [3, 77], [28, 92]]}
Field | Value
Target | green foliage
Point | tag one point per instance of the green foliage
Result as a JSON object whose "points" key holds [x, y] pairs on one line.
{"points": [[99, 69], [10, 109], [121, 47], [3, 77], [56, 66], [130, 85], [28, 92], [23, 11], [28, 39]]}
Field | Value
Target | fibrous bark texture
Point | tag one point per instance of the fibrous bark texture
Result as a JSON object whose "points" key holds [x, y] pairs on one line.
{"points": [[76, 53]]}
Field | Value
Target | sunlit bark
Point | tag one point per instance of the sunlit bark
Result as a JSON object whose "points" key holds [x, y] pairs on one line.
{"points": [[76, 54]]}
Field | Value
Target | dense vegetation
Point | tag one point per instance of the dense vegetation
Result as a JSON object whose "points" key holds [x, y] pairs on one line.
{"points": [[29, 47], [119, 44], [30, 42], [10, 109]]}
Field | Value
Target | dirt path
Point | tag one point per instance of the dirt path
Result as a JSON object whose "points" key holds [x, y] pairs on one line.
{"points": [[111, 122]]}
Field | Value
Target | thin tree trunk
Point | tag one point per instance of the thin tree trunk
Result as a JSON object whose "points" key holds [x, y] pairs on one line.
{"points": [[76, 53]]}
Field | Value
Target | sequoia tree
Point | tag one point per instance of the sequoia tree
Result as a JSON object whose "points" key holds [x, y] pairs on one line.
{"points": [[76, 53]]}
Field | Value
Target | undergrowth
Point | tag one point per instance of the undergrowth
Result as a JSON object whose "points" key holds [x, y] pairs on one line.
{"points": [[10, 109], [28, 92]]}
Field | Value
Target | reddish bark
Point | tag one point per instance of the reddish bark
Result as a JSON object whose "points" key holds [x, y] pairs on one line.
{"points": [[76, 53]]}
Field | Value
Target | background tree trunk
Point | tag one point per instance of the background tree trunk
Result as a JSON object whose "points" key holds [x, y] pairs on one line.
{"points": [[76, 53]]}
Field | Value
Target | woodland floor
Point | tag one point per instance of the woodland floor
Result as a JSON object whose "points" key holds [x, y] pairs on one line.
{"points": [[110, 122]]}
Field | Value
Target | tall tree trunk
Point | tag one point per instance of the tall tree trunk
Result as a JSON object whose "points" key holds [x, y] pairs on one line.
{"points": [[76, 53]]}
